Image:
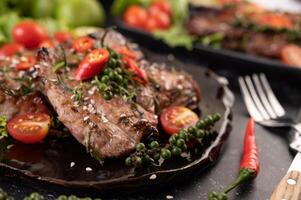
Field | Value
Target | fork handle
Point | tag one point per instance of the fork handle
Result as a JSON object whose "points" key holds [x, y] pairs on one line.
{"points": [[289, 187]]}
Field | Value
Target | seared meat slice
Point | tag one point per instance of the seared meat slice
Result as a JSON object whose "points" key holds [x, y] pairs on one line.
{"points": [[202, 25], [108, 128], [172, 87], [11, 102], [266, 44], [11, 106]]}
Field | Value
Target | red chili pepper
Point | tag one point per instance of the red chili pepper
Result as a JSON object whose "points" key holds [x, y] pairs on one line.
{"points": [[26, 63], [83, 44], [92, 64], [10, 49], [133, 66], [125, 52], [249, 166]]}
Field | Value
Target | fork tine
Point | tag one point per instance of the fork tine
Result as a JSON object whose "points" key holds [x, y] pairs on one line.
{"points": [[256, 99], [263, 97], [279, 110], [252, 109]]}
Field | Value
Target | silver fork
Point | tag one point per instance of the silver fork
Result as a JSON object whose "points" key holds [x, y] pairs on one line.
{"points": [[262, 104]]}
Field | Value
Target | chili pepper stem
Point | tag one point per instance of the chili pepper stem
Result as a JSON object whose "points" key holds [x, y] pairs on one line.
{"points": [[244, 175]]}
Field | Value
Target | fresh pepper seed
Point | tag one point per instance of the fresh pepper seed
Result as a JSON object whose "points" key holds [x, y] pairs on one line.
{"points": [[128, 161], [140, 147], [180, 142], [165, 153], [200, 134], [176, 151], [154, 144]]}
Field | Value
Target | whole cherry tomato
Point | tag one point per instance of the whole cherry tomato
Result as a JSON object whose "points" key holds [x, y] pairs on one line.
{"points": [[175, 118], [135, 16], [291, 55], [62, 36], [83, 44], [29, 34], [26, 62], [29, 128], [162, 19], [92, 64], [162, 5], [151, 25], [10, 49]]}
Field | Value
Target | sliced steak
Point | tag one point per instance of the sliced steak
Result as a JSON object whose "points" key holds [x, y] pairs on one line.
{"points": [[11, 102], [266, 44], [172, 87], [108, 128]]}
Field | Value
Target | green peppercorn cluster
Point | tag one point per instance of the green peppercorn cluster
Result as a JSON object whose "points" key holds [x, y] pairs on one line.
{"points": [[150, 154], [34, 196], [37, 196], [217, 196], [115, 78]]}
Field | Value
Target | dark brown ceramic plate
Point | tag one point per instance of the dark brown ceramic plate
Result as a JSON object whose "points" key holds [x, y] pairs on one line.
{"points": [[64, 162]]}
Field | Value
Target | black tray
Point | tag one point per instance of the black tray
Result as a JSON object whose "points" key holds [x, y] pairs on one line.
{"points": [[218, 58]]}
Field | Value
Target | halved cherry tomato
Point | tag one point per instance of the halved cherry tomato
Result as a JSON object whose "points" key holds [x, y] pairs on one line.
{"points": [[273, 20], [125, 52], [48, 43], [135, 16], [162, 19], [62, 36], [133, 66], [83, 44], [291, 55], [10, 49], [92, 64], [162, 5], [175, 118], [26, 62], [29, 128], [29, 34]]}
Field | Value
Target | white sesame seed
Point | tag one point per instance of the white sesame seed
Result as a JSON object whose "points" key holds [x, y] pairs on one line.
{"points": [[72, 164], [86, 118], [92, 101], [89, 169], [85, 107], [169, 197], [153, 177], [86, 98]]}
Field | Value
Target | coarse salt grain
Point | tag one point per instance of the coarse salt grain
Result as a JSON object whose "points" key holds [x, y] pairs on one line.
{"points": [[89, 169], [72, 164], [153, 177]]}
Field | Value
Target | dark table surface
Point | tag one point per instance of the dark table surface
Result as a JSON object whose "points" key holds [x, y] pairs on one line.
{"points": [[274, 154]]}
